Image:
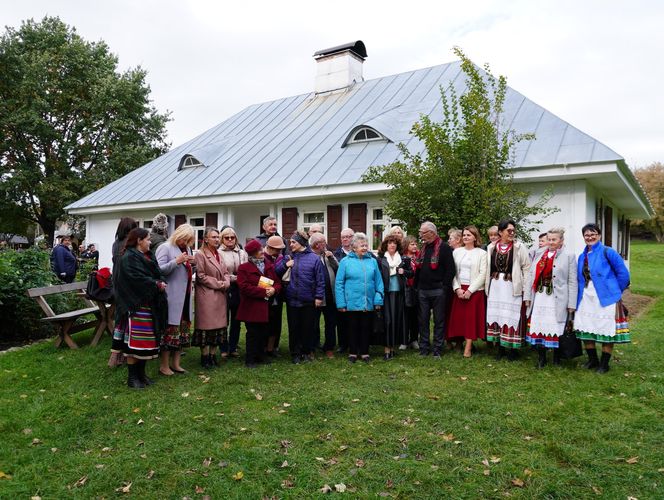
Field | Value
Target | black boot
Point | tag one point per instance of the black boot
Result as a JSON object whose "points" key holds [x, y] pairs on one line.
{"points": [[541, 360], [213, 360], [133, 380], [556, 357], [604, 363], [501, 353], [592, 362], [513, 355], [205, 361], [141, 373]]}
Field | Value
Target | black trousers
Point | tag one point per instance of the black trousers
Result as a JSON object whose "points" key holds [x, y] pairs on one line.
{"points": [[412, 325], [342, 330], [233, 331], [256, 334], [360, 328], [274, 323], [435, 301], [329, 313], [301, 329]]}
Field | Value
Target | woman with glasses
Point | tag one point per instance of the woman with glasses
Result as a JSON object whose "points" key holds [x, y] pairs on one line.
{"points": [[600, 315], [508, 268], [233, 257]]}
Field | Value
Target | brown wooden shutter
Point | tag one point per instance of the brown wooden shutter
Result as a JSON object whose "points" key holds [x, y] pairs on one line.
{"points": [[334, 226], [288, 221], [357, 217], [211, 219], [180, 219], [608, 226]]}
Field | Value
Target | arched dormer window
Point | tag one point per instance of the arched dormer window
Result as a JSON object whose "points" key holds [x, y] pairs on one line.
{"points": [[189, 161], [364, 134]]}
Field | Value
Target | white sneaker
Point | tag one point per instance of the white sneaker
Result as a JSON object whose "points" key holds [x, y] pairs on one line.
{"points": [[415, 345], [403, 347]]}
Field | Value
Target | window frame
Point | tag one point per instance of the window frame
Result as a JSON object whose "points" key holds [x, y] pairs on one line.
{"points": [[353, 136], [306, 226]]}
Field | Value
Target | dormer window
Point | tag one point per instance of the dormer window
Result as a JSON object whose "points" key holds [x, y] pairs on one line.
{"points": [[366, 134], [190, 161]]}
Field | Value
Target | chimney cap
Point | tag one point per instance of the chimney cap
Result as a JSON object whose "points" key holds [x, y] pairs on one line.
{"points": [[356, 48]]}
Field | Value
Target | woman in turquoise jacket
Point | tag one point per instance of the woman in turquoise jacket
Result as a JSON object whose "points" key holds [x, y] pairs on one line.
{"points": [[359, 291], [600, 315]]}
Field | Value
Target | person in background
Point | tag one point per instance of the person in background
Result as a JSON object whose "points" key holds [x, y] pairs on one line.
{"points": [[550, 294], [600, 314], [412, 333], [212, 282], [542, 242], [359, 291], [125, 225], [454, 238], [270, 229], [259, 284], [433, 279], [467, 319], [63, 261], [492, 235], [315, 228], [158, 231], [92, 252], [342, 323], [234, 256], [272, 252], [398, 232], [141, 307], [394, 271], [176, 261], [508, 269], [328, 308]]}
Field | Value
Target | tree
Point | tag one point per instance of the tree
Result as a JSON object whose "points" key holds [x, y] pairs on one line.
{"points": [[70, 123], [652, 180], [465, 175]]}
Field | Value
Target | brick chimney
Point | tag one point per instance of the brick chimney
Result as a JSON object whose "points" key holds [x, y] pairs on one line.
{"points": [[339, 67]]}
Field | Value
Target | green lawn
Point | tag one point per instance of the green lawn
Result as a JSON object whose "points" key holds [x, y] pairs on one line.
{"points": [[411, 428]]}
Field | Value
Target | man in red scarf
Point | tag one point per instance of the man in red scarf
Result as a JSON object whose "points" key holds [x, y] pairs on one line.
{"points": [[434, 273]]}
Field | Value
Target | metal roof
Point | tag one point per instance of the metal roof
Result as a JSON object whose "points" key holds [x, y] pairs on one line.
{"points": [[296, 142]]}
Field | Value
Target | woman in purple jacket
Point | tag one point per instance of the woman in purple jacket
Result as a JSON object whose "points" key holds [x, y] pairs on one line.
{"points": [[600, 315], [304, 293]]}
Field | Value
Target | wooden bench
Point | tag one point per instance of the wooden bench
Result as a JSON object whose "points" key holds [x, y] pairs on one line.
{"points": [[64, 322]]}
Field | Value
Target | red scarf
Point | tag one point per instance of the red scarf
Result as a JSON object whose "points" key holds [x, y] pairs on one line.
{"points": [[544, 267], [434, 257]]}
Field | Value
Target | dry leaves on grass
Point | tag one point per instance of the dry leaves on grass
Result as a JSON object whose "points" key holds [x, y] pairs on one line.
{"points": [[359, 463], [4, 475], [287, 483], [518, 483], [446, 437], [81, 482], [150, 475], [340, 488], [125, 488], [259, 397], [326, 489], [199, 490], [632, 460], [284, 464], [207, 462], [36, 441], [238, 476]]}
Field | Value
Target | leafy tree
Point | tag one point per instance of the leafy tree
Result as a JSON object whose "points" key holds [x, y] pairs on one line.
{"points": [[652, 180], [465, 176], [70, 123]]}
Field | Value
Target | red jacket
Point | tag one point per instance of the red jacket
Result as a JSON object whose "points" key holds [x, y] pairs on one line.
{"points": [[253, 306]]}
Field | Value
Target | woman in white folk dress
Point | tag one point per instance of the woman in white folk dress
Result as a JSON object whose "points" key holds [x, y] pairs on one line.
{"points": [[600, 315], [550, 295]]}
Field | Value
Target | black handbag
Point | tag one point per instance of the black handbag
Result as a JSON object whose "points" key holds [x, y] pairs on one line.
{"points": [[233, 295], [378, 324], [569, 345], [95, 291]]}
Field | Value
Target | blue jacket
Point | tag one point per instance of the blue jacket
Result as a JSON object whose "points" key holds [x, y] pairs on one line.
{"points": [[359, 284], [607, 271], [307, 279], [63, 262]]}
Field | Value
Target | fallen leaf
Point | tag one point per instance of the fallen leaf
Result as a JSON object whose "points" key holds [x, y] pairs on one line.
{"points": [[285, 443], [150, 475], [389, 484], [486, 472], [326, 489], [343, 447], [259, 397], [106, 448], [185, 394], [243, 429], [320, 459], [81, 482], [596, 490], [528, 438], [485, 462], [140, 421], [143, 456], [355, 400], [54, 450], [359, 463], [199, 490], [35, 498], [287, 483], [238, 475], [4, 475], [340, 488], [458, 442], [464, 378], [518, 483], [207, 462], [99, 466], [448, 437], [222, 464], [36, 441], [434, 397], [125, 488], [632, 460], [527, 472], [27, 431], [283, 411], [136, 410], [286, 405], [284, 464], [495, 460]]}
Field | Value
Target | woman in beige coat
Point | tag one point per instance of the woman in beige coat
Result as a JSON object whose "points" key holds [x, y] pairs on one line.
{"points": [[212, 282], [233, 256]]}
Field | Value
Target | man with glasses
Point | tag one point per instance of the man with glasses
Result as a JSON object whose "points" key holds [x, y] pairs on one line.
{"points": [[434, 273]]}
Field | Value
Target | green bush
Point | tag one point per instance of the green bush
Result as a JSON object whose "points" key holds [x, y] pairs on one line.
{"points": [[21, 316]]}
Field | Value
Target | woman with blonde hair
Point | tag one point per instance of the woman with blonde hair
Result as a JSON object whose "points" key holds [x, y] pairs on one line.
{"points": [[398, 232], [176, 261], [212, 282], [454, 236], [233, 256]]}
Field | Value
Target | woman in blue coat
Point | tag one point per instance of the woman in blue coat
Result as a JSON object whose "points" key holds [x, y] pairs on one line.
{"points": [[600, 315], [359, 291]]}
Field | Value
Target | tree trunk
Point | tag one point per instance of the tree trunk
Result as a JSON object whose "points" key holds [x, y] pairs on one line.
{"points": [[48, 226]]}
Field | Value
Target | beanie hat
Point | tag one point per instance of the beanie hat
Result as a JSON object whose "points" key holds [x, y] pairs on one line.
{"points": [[253, 246], [160, 223]]}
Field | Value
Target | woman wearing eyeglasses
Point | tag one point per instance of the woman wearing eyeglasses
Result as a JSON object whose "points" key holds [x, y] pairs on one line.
{"points": [[508, 268], [600, 315], [233, 257]]}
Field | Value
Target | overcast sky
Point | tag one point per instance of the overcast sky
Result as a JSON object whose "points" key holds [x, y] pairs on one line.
{"points": [[596, 64]]}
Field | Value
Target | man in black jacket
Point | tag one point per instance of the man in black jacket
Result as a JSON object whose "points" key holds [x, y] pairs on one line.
{"points": [[270, 229], [435, 270]]}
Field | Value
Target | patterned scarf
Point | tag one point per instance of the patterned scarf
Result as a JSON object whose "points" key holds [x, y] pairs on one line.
{"points": [[434, 257], [544, 272], [259, 263]]}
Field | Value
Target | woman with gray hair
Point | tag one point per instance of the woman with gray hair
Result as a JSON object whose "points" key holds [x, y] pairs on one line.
{"points": [[550, 295], [176, 262], [158, 231], [359, 291]]}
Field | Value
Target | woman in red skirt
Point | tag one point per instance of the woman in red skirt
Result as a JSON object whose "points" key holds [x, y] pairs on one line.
{"points": [[467, 317]]}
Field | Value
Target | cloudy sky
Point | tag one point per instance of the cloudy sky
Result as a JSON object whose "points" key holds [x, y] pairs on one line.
{"points": [[596, 64]]}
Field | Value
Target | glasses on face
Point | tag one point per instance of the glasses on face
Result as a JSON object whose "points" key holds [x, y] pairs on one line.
{"points": [[590, 235], [510, 231], [426, 231], [229, 237]]}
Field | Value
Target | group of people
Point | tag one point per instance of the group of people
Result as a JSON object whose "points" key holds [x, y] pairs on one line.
{"points": [[499, 293]]}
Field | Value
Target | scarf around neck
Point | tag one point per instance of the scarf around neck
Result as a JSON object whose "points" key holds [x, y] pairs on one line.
{"points": [[393, 262], [434, 257]]}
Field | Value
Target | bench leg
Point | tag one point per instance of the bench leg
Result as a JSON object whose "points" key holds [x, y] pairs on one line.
{"points": [[64, 335], [101, 326]]}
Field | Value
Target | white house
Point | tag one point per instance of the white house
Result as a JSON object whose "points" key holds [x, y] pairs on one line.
{"points": [[301, 159]]}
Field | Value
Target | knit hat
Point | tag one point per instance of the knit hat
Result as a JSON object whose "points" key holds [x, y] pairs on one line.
{"points": [[160, 223], [253, 246], [275, 242]]}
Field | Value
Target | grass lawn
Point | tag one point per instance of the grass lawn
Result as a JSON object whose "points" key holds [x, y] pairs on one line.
{"points": [[410, 428]]}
